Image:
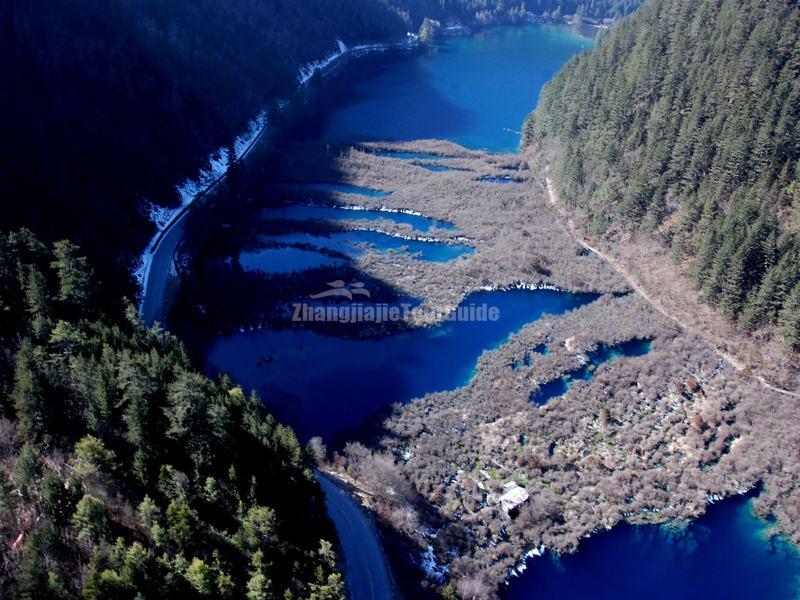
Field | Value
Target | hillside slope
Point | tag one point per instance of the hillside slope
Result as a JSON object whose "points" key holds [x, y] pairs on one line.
{"points": [[117, 102], [683, 123], [124, 473]]}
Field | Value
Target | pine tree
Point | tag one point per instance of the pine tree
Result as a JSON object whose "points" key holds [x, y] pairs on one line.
{"points": [[73, 273], [789, 318], [28, 395]]}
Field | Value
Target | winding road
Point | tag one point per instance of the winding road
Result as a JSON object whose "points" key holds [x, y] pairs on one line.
{"points": [[155, 285], [367, 573]]}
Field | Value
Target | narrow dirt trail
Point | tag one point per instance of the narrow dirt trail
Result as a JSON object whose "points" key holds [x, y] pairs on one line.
{"points": [[655, 303]]}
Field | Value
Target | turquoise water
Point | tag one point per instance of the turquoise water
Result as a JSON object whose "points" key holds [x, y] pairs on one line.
{"points": [[285, 260], [724, 555], [333, 213], [354, 242], [323, 385], [475, 90], [559, 387]]}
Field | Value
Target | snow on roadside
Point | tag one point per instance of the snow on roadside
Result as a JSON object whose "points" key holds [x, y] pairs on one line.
{"points": [[218, 161], [191, 189], [307, 71]]}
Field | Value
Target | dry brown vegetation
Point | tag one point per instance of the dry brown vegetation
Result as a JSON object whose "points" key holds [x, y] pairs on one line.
{"points": [[647, 439], [516, 239]]}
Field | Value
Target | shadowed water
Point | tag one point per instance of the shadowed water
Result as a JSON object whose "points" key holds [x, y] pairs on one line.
{"points": [[334, 213], [322, 385], [286, 259], [344, 188]]}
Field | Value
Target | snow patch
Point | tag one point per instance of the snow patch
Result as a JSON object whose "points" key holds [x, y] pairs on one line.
{"points": [[433, 570], [307, 71], [191, 189]]}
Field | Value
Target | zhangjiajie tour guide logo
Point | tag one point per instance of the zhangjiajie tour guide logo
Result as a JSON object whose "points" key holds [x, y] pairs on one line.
{"points": [[340, 305]]}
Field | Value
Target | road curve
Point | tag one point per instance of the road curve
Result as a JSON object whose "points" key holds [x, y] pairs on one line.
{"points": [[155, 286], [367, 573]]}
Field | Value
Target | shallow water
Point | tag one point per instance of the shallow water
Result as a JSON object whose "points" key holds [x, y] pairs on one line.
{"points": [[559, 387], [333, 213], [474, 90], [408, 155], [322, 385], [353, 243], [500, 180], [723, 555]]}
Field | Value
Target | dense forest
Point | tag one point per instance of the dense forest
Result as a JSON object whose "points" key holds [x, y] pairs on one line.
{"points": [[684, 122], [126, 474], [108, 104]]}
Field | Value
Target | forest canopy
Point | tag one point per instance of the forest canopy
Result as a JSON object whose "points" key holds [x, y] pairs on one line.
{"points": [[124, 473], [111, 104], [683, 121]]}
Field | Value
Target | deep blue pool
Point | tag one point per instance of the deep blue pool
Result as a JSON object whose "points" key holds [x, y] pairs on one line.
{"points": [[725, 555]]}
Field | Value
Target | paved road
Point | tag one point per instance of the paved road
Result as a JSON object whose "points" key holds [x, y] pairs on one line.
{"points": [[155, 288], [366, 574]]}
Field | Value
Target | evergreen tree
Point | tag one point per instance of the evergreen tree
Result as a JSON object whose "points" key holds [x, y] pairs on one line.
{"points": [[789, 318]]}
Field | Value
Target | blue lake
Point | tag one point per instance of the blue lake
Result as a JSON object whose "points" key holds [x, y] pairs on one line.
{"points": [[473, 90], [725, 555], [323, 385], [476, 91], [354, 242], [333, 213]]}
